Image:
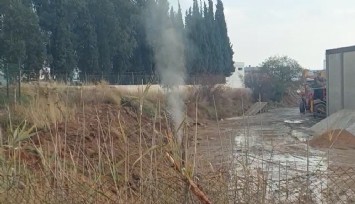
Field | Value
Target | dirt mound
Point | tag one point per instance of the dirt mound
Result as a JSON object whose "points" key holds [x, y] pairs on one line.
{"points": [[339, 120], [290, 99], [339, 139], [351, 129]]}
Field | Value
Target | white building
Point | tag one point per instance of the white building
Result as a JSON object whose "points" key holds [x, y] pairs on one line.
{"points": [[237, 78]]}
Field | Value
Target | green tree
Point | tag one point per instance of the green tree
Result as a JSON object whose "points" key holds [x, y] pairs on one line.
{"points": [[208, 47], [113, 25], [20, 35], [225, 50], [225, 53], [85, 39], [282, 72], [195, 42], [179, 21], [125, 41], [110, 36], [62, 38], [96, 36], [210, 38]]}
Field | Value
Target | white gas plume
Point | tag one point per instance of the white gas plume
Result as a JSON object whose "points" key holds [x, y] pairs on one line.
{"points": [[169, 57]]}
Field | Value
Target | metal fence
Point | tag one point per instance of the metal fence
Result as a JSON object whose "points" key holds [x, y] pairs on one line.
{"points": [[13, 79], [223, 185], [279, 182], [241, 178], [228, 172], [249, 178], [128, 78]]}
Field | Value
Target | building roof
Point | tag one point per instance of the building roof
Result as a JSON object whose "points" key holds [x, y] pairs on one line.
{"points": [[340, 50]]}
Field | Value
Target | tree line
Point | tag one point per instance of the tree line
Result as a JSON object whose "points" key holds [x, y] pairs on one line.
{"points": [[109, 36]]}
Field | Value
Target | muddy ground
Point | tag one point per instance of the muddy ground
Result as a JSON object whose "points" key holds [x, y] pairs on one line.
{"points": [[275, 143], [279, 134], [267, 132]]}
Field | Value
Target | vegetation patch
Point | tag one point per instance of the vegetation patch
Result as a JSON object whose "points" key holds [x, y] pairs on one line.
{"points": [[101, 144]]}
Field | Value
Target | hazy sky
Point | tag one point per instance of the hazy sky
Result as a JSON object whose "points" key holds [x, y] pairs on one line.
{"points": [[301, 29]]}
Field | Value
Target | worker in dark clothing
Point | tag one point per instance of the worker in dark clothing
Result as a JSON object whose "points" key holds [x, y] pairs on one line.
{"points": [[319, 81]]}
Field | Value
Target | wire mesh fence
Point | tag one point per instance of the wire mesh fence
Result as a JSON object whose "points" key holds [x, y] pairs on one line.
{"points": [[238, 166], [13, 76], [284, 185], [14, 79], [276, 181], [331, 186], [226, 171]]}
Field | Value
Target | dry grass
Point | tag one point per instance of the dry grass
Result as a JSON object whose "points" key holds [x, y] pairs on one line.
{"points": [[99, 144], [226, 101], [55, 103], [104, 145]]}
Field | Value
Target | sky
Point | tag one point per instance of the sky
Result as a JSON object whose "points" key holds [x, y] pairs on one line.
{"points": [[300, 29]]}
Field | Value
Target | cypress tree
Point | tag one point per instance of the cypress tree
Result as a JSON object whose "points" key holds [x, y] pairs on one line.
{"points": [[142, 58], [110, 36], [86, 38], [20, 35], [179, 20], [225, 51]]}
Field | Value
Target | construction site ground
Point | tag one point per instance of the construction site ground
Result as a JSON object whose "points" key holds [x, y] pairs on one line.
{"points": [[276, 143], [272, 151], [280, 133]]}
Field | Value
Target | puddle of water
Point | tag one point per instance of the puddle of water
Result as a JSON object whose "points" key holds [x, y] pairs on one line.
{"points": [[299, 163], [286, 170], [300, 135], [293, 121], [243, 142], [285, 159], [236, 118], [300, 167]]}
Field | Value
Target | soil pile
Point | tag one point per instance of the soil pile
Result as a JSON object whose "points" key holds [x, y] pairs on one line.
{"points": [[290, 99], [339, 139], [351, 129], [340, 120]]}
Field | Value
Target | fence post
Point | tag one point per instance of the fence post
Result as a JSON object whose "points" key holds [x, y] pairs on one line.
{"points": [[328, 186], [132, 78], [307, 193], [279, 181], [286, 183], [19, 82], [7, 80]]}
